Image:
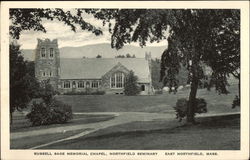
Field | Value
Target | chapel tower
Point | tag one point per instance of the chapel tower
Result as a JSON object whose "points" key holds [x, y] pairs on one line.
{"points": [[47, 61]]}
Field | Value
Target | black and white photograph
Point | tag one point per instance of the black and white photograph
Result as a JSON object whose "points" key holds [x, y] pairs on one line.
{"points": [[127, 80]]}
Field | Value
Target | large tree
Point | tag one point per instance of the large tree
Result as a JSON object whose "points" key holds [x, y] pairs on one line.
{"points": [[23, 86], [197, 37]]}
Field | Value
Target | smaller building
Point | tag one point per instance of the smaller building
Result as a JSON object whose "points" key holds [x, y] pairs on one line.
{"points": [[92, 74]]}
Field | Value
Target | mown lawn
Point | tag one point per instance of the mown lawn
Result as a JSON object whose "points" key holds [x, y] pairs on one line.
{"points": [[20, 123], [154, 103], [28, 142], [214, 133]]}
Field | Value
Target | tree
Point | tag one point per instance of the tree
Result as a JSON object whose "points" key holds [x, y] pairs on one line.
{"points": [[120, 56], [31, 19], [46, 92], [23, 86], [128, 55], [98, 56], [192, 41], [131, 86], [155, 74], [30, 65]]}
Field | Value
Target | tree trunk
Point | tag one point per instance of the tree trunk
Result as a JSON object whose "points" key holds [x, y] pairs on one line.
{"points": [[192, 101]]}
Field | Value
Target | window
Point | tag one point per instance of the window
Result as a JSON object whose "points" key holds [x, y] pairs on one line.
{"points": [[43, 54], [113, 81], [143, 87], [74, 84], [50, 73], [117, 80], [44, 74], [51, 53], [66, 84], [95, 84], [80, 84]]}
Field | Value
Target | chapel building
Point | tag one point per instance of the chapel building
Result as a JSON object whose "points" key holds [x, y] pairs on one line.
{"points": [[81, 74]]}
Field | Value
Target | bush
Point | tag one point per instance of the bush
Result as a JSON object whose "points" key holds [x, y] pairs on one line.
{"points": [[158, 91], [236, 102], [86, 93], [182, 104], [45, 114]]}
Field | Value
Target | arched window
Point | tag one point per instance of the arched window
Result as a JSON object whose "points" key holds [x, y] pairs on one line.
{"points": [[143, 87], [74, 84], [87, 84], [50, 73], [44, 74], [43, 54], [117, 80], [51, 53]]}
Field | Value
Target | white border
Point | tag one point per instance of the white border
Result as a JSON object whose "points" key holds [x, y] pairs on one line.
{"points": [[28, 154]]}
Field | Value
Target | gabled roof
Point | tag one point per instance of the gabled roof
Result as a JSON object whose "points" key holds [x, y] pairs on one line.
{"points": [[95, 68]]}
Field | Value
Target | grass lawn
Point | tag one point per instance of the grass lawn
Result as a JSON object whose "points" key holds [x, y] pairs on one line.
{"points": [[28, 142], [21, 124], [215, 133], [154, 103]]}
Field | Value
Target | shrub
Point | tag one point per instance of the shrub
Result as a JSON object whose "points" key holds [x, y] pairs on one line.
{"points": [[182, 104], [86, 93], [158, 91], [236, 102], [54, 112]]}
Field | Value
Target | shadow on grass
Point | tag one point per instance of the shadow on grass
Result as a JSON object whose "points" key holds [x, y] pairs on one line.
{"points": [[212, 133], [231, 121]]}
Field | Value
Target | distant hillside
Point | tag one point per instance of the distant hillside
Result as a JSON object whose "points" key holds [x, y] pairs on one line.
{"points": [[104, 49], [28, 54]]}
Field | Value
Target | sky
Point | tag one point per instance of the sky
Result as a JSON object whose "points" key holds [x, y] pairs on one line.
{"points": [[66, 37]]}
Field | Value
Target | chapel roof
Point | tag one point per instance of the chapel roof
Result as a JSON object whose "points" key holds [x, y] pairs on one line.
{"points": [[95, 68]]}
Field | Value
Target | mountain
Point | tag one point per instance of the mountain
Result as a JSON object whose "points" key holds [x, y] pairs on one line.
{"points": [[103, 49]]}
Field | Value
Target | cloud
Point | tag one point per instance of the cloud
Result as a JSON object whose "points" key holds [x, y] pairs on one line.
{"points": [[66, 37]]}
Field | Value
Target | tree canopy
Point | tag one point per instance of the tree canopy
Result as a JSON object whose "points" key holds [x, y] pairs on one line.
{"points": [[31, 19]]}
